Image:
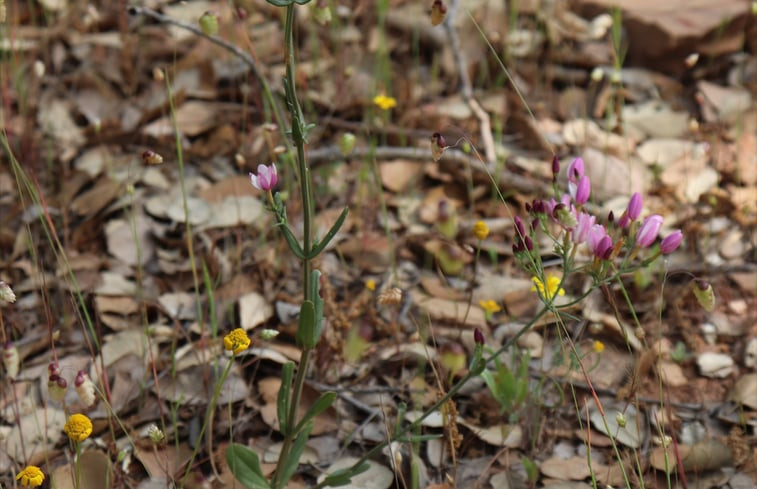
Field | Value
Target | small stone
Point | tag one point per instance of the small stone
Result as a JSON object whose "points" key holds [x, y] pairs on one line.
{"points": [[715, 365], [710, 333], [750, 354]]}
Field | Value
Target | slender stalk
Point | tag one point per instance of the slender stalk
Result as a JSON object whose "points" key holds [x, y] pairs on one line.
{"points": [[298, 136]]}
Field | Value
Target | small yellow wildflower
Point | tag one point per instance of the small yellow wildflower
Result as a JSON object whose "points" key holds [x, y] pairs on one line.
{"points": [[384, 102], [490, 307], [551, 290], [370, 284], [598, 346], [31, 476], [236, 341], [78, 427], [480, 230]]}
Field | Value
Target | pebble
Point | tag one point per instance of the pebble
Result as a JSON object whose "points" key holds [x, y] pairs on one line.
{"points": [[715, 365], [750, 354]]}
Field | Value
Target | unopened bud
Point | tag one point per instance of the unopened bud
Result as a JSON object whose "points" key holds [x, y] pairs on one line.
{"points": [[11, 360], [703, 292], [555, 166], [53, 369], [347, 143], [620, 418], [155, 434], [56, 388], [438, 12], [321, 12], [438, 145], [209, 23], [150, 157], [478, 336], [268, 334], [597, 74], [6, 293], [85, 388]]}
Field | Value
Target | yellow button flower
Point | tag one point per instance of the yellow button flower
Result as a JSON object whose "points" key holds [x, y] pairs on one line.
{"points": [[78, 427], [384, 102], [31, 476], [236, 341], [598, 346], [370, 284], [550, 290], [480, 230], [490, 307]]}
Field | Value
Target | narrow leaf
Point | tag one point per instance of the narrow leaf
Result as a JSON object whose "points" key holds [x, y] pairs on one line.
{"points": [[319, 406], [244, 464], [282, 403], [342, 477], [293, 461], [306, 329], [330, 235], [294, 245]]}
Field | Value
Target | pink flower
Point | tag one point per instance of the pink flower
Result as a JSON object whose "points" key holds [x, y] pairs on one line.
{"points": [[671, 242], [648, 231], [634, 206], [582, 228], [576, 170], [266, 178], [583, 189]]}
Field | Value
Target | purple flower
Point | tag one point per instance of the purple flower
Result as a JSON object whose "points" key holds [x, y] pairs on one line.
{"points": [[266, 178], [576, 170], [583, 226], [478, 336], [671, 242], [594, 235], [583, 189], [648, 231], [634, 207]]}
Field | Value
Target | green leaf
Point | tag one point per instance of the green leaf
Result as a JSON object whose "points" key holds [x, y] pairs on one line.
{"points": [[282, 403], [342, 477], [294, 245], [306, 328], [244, 464], [330, 235], [319, 406], [315, 283], [280, 3], [293, 461], [418, 438]]}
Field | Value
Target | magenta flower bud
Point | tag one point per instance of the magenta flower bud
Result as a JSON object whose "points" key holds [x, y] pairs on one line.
{"points": [[266, 178], [576, 170], [478, 336], [521, 230], [634, 207], [539, 207], [528, 208], [604, 247], [529, 243], [648, 231], [555, 166], [671, 242], [611, 216], [624, 221], [582, 190]]}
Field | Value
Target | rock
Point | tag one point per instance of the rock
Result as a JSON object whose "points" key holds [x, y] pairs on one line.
{"points": [[715, 365], [750, 354]]}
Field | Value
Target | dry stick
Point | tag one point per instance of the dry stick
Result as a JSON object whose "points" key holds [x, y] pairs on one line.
{"points": [[506, 179], [466, 88]]}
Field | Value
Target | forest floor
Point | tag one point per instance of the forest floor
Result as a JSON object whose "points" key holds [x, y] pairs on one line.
{"points": [[134, 241]]}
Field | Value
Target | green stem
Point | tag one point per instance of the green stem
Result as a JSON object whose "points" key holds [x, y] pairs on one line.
{"points": [[298, 136]]}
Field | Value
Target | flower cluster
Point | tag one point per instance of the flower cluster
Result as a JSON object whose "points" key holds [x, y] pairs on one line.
{"points": [[31, 476], [78, 427], [236, 341], [384, 102], [570, 224]]}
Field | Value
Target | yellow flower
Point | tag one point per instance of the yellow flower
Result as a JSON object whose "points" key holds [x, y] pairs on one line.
{"points": [[384, 102], [31, 476], [598, 346], [480, 230], [78, 427], [490, 307], [236, 341], [551, 290], [370, 284]]}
